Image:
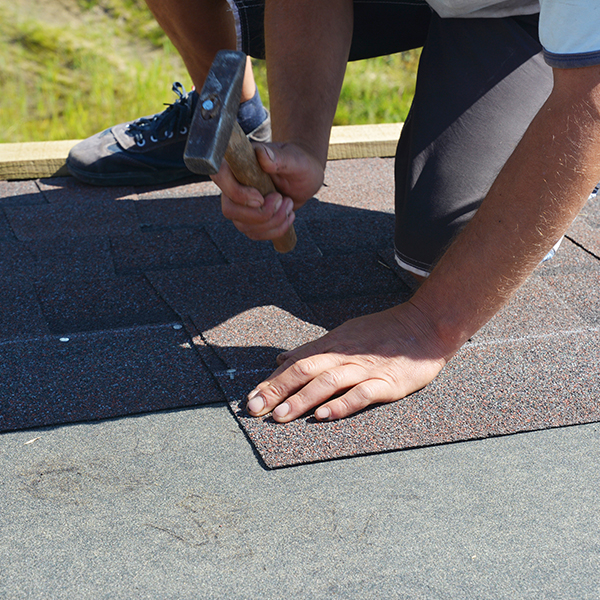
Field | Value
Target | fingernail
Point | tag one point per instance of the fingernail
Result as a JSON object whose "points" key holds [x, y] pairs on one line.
{"points": [[278, 204], [269, 153], [254, 204], [255, 404], [282, 410], [323, 413]]}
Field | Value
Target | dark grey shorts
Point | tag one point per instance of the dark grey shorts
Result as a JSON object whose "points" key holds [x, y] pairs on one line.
{"points": [[380, 26], [479, 85]]}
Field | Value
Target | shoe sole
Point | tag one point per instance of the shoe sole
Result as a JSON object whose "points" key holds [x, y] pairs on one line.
{"points": [[121, 179]]}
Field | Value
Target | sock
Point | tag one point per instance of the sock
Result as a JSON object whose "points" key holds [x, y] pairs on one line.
{"points": [[251, 113]]}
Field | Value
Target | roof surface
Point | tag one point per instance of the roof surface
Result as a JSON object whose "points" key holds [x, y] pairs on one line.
{"points": [[120, 301], [117, 302]]}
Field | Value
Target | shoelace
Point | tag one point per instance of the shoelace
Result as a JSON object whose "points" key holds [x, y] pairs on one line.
{"points": [[176, 117]]}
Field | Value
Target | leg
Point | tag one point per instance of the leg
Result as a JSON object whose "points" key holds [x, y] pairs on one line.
{"points": [[149, 150], [216, 30], [480, 83], [141, 152]]}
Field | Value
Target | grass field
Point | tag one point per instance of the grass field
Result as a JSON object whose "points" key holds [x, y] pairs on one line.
{"points": [[71, 68]]}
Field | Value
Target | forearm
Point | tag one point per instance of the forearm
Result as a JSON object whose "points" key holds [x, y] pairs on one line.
{"points": [[307, 45], [533, 201], [393, 353]]}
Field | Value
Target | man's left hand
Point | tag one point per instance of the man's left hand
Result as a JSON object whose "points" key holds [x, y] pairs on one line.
{"points": [[374, 359]]}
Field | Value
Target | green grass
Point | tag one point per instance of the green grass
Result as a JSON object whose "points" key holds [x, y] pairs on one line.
{"points": [[378, 90], [113, 64]]}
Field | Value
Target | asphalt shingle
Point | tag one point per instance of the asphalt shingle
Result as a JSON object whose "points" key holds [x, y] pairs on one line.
{"points": [[585, 230], [212, 295], [251, 339], [164, 249], [186, 206], [108, 303], [351, 230], [487, 390], [67, 190], [92, 376], [20, 193], [20, 311], [6, 233], [359, 274], [64, 258], [115, 269], [84, 218], [238, 248]]}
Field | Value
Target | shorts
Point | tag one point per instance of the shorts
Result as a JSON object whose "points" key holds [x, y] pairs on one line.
{"points": [[381, 27], [480, 83]]}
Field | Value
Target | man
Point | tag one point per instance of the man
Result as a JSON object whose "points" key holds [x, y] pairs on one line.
{"points": [[501, 124], [150, 149], [543, 179]]}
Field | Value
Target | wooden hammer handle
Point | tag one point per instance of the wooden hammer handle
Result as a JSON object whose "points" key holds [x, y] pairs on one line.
{"points": [[242, 161]]}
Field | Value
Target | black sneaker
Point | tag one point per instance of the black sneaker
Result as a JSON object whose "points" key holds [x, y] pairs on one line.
{"points": [[146, 151]]}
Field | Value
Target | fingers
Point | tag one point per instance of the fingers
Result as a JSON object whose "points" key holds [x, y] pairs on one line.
{"points": [[283, 385], [239, 194], [310, 382], [266, 158], [295, 172], [257, 217], [346, 382], [280, 158], [328, 384], [372, 391], [268, 222]]}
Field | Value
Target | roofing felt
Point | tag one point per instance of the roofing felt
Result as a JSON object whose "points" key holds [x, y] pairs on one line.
{"points": [[117, 301]]}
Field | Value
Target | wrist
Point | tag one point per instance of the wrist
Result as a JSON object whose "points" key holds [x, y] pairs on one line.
{"points": [[419, 326], [447, 311]]}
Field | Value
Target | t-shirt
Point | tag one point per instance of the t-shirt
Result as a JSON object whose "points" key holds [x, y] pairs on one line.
{"points": [[569, 29]]}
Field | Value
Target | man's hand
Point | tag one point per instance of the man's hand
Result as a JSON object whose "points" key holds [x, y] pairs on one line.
{"points": [[388, 355], [296, 174], [375, 359]]}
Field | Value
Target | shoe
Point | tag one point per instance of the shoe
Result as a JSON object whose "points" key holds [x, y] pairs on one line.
{"points": [[553, 250], [556, 246], [146, 151]]}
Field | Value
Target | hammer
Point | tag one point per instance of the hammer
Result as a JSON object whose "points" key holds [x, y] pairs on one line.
{"points": [[215, 133]]}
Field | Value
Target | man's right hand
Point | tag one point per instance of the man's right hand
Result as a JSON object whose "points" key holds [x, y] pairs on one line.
{"points": [[296, 174]]}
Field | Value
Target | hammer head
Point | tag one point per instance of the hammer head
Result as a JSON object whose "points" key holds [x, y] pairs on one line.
{"points": [[215, 113]]}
